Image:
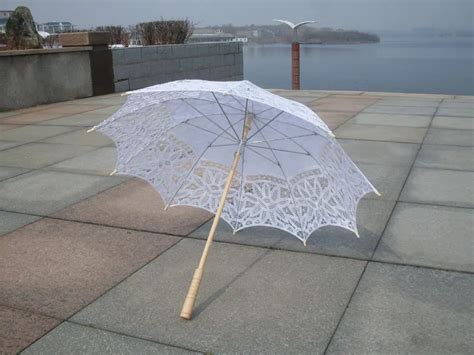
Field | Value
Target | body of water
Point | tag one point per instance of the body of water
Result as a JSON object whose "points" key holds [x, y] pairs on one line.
{"points": [[396, 64]]}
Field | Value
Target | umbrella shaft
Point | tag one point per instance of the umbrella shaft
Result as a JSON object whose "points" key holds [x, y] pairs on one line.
{"points": [[188, 305]]}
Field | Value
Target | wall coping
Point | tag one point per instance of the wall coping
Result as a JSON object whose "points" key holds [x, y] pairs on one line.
{"points": [[11, 53]]}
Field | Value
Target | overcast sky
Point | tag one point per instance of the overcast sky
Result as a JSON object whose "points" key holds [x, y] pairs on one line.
{"points": [[348, 14]]}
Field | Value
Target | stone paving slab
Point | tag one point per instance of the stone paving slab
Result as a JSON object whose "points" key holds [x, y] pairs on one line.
{"points": [[334, 119], [381, 133], [437, 186], [372, 216], [45, 192], [100, 162], [39, 155], [80, 137], [386, 153], [57, 267], [10, 221], [415, 102], [4, 145], [387, 179], [429, 236], [6, 127], [70, 338], [7, 172], [401, 110], [339, 105], [33, 133], [253, 236], [445, 157], [392, 120], [456, 111], [137, 205], [19, 328], [251, 300], [402, 309], [450, 137], [107, 111], [453, 122], [72, 108], [86, 119], [30, 117]]}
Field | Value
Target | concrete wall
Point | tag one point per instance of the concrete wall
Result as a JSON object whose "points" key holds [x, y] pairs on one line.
{"points": [[33, 77], [139, 67]]}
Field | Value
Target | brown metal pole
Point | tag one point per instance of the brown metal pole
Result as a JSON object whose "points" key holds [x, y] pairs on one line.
{"points": [[295, 65]]}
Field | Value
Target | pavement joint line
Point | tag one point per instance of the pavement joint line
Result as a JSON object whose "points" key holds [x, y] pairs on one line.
{"points": [[107, 290], [133, 336], [38, 141], [271, 247], [381, 234]]}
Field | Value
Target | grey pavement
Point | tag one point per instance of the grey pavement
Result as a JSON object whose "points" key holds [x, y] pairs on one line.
{"points": [[90, 263]]}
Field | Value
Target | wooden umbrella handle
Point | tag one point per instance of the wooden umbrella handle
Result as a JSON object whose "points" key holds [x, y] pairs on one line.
{"points": [[187, 310]]}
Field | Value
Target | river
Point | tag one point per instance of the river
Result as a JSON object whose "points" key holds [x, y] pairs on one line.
{"points": [[396, 64]]}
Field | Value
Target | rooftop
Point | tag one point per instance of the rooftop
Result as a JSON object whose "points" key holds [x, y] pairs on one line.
{"points": [[92, 263]]}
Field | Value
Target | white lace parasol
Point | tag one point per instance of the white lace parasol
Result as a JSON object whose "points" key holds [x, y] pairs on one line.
{"points": [[182, 136]]}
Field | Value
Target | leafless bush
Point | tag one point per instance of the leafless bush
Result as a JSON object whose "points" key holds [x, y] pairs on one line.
{"points": [[52, 41], [165, 32], [119, 34]]}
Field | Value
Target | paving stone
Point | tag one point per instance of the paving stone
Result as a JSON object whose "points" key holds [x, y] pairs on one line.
{"points": [[416, 102], [31, 117], [33, 133], [136, 204], [255, 236], [39, 155], [70, 338], [402, 309], [381, 133], [436, 186], [344, 106], [45, 192], [387, 179], [19, 328], [108, 111], [279, 302], [387, 153], [453, 122], [445, 157], [6, 172], [100, 162], [401, 110], [85, 119], [302, 99], [372, 216], [11, 221], [4, 145], [57, 267], [450, 137], [80, 137], [456, 111], [71, 108], [429, 236], [463, 104], [335, 119], [6, 127], [391, 120]]}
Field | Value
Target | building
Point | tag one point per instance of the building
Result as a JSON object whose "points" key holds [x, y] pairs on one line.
{"points": [[4, 15], [211, 37], [55, 27]]}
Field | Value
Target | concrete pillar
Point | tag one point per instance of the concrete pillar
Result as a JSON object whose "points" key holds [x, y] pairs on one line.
{"points": [[100, 57]]}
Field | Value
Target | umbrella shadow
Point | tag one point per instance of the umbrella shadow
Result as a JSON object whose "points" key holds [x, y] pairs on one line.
{"points": [[203, 305]]}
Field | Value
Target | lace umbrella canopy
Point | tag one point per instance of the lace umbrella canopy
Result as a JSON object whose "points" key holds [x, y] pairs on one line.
{"points": [[183, 137]]}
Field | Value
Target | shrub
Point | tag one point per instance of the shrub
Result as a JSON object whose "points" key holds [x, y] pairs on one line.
{"points": [[164, 32]]}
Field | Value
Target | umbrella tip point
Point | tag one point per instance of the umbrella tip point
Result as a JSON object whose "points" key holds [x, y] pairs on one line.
{"points": [[304, 242], [332, 135], [377, 193], [91, 130], [113, 172]]}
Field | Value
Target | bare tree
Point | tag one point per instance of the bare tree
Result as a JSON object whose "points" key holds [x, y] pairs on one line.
{"points": [[119, 34], [165, 32]]}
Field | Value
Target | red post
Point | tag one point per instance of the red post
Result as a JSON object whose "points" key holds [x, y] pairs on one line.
{"points": [[295, 66]]}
